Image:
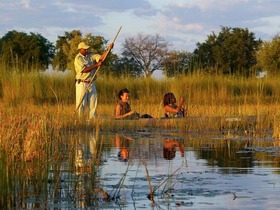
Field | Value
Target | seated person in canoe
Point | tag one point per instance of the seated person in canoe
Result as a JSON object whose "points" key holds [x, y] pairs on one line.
{"points": [[171, 109], [123, 109]]}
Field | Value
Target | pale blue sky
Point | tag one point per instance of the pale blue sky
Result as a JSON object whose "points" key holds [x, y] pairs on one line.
{"points": [[183, 23]]}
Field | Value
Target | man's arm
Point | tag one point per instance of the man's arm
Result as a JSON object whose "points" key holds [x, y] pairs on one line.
{"points": [[90, 68], [101, 60], [103, 56]]}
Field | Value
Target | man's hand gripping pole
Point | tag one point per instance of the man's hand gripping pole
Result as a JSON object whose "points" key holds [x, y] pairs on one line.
{"points": [[88, 86]]}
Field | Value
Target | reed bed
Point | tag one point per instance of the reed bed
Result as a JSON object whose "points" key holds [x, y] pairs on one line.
{"points": [[34, 143], [206, 98], [40, 88], [37, 113]]}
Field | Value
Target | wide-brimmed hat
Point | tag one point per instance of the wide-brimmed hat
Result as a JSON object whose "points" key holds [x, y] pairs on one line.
{"points": [[82, 45]]}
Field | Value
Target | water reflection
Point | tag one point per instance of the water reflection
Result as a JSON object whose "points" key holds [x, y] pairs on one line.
{"points": [[85, 153], [83, 180], [169, 148], [227, 153], [119, 171], [84, 165], [212, 178], [122, 143]]}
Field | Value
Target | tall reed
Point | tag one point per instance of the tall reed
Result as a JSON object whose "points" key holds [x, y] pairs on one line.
{"points": [[32, 142], [205, 95], [41, 88]]}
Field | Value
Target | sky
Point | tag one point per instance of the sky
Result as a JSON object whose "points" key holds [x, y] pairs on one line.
{"points": [[182, 23]]}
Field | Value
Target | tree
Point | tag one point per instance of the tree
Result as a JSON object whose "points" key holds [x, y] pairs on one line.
{"points": [[148, 52], [126, 67], [60, 59], [177, 63], [203, 54], [268, 56], [66, 50], [25, 52], [232, 51]]}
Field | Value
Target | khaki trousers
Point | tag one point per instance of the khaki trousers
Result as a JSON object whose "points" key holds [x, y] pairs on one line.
{"points": [[90, 99]]}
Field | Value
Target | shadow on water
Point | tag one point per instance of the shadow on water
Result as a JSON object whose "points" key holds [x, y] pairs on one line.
{"points": [[153, 170]]}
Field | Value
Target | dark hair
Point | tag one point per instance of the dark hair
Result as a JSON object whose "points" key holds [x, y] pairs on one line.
{"points": [[167, 98], [169, 154], [122, 91], [121, 158]]}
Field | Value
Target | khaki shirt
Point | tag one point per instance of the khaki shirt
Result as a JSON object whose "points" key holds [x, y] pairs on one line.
{"points": [[82, 62]]}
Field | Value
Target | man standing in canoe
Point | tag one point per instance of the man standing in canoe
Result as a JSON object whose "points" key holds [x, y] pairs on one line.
{"points": [[86, 65]]}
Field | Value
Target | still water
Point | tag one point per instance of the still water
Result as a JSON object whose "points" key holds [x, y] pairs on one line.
{"points": [[144, 170]]}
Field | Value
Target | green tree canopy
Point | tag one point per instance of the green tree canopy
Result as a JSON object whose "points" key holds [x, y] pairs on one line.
{"points": [[203, 54], [268, 56], [66, 50], [177, 63], [232, 51], [127, 67], [25, 52]]}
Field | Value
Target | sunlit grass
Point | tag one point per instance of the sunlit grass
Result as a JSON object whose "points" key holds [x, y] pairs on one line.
{"points": [[205, 96], [37, 113]]}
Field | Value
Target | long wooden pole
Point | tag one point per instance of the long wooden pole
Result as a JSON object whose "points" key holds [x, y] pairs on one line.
{"points": [[88, 86]]}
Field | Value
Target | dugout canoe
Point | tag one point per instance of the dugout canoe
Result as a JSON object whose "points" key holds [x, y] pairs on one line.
{"points": [[190, 123]]}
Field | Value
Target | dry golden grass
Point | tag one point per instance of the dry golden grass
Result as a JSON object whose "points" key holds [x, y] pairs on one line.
{"points": [[32, 134], [37, 111]]}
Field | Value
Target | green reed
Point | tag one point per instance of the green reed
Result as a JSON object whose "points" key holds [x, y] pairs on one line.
{"points": [[205, 95], [197, 89], [35, 141], [37, 88]]}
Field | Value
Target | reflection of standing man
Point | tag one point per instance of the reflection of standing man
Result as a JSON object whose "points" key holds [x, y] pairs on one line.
{"points": [[85, 153], [85, 66]]}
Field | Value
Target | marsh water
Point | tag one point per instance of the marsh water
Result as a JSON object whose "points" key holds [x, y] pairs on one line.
{"points": [[143, 170]]}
